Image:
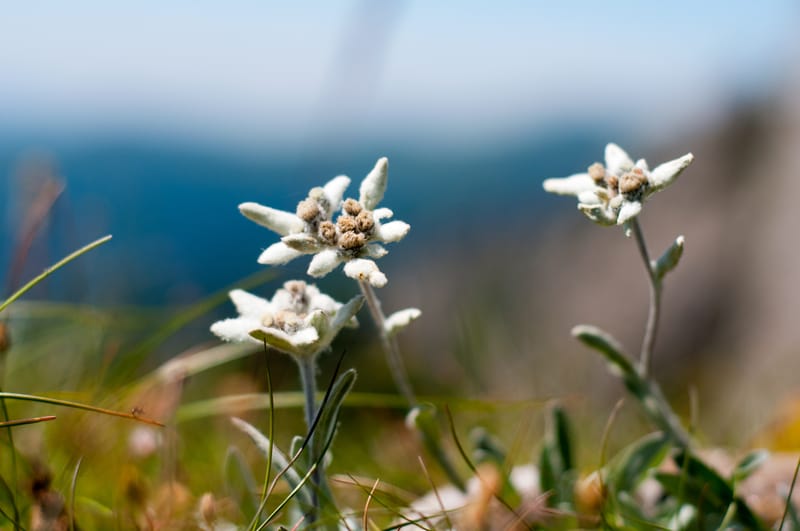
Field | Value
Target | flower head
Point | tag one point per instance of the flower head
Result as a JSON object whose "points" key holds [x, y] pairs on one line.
{"points": [[612, 194], [353, 237], [299, 320]]}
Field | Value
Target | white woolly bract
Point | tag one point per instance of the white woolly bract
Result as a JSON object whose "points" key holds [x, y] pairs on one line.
{"points": [[374, 185], [363, 269], [399, 320], [275, 220], [324, 262], [394, 231], [277, 254]]}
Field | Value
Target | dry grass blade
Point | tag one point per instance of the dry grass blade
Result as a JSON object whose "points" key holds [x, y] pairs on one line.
{"points": [[365, 519], [303, 446], [472, 467], [394, 512], [78, 405], [22, 422], [35, 216], [435, 492]]}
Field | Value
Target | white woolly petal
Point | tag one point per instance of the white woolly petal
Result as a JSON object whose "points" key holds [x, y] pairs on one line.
{"points": [[282, 300], [378, 279], [629, 210], [304, 337], [249, 305], [334, 191], [394, 231], [304, 243], [237, 330], [590, 197], [382, 213], [275, 220], [277, 254], [399, 320], [296, 344], [572, 185], [375, 250], [323, 302], [664, 174], [642, 165], [617, 161], [598, 214], [374, 185], [363, 269], [312, 291], [323, 263]]}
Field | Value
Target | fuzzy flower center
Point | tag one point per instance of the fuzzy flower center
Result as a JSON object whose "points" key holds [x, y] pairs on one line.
{"points": [[313, 209], [353, 227], [291, 317], [631, 184], [352, 230]]}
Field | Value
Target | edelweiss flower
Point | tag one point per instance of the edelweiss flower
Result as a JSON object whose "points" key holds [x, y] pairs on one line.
{"points": [[299, 320], [353, 237], [613, 194]]}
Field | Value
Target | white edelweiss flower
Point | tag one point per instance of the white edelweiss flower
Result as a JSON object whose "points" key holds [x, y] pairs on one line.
{"points": [[299, 320], [613, 194], [355, 235]]}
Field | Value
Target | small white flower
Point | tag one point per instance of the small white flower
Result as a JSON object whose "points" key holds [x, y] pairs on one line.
{"points": [[299, 320], [613, 194], [354, 235]]}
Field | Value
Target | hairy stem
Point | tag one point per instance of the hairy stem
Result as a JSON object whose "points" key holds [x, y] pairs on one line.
{"points": [[390, 347], [308, 380], [646, 355]]}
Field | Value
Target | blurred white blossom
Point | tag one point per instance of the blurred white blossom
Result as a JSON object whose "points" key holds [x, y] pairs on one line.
{"points": [[399, 320], [299, 320], [613, 194], [353, 237]]}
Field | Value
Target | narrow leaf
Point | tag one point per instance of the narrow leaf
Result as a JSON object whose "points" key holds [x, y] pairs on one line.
{"points": [[628, 468], [749, 464], [280, 462], [669, 260], [329, 417]]}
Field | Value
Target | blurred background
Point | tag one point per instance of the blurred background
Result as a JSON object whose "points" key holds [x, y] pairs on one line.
{"points": [[158, 119]]}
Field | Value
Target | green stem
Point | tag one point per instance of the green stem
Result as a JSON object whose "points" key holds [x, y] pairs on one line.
{"points": [[308, 381], [50, 270], [6, 418], [400, 376], [649, 340], [389, 343]]}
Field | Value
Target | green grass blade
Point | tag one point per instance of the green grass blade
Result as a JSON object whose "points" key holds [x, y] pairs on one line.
{"points": [[52, 269]]}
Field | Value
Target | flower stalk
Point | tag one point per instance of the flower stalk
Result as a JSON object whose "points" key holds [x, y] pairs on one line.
{"points": [[654, 312], [308, 381], [389, 343]]}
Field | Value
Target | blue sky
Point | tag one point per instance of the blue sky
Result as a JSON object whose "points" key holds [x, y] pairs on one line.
{"points": [[439, 73]]}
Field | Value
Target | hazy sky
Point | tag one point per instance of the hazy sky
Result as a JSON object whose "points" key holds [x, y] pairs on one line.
{"points": [[433, 71]]}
